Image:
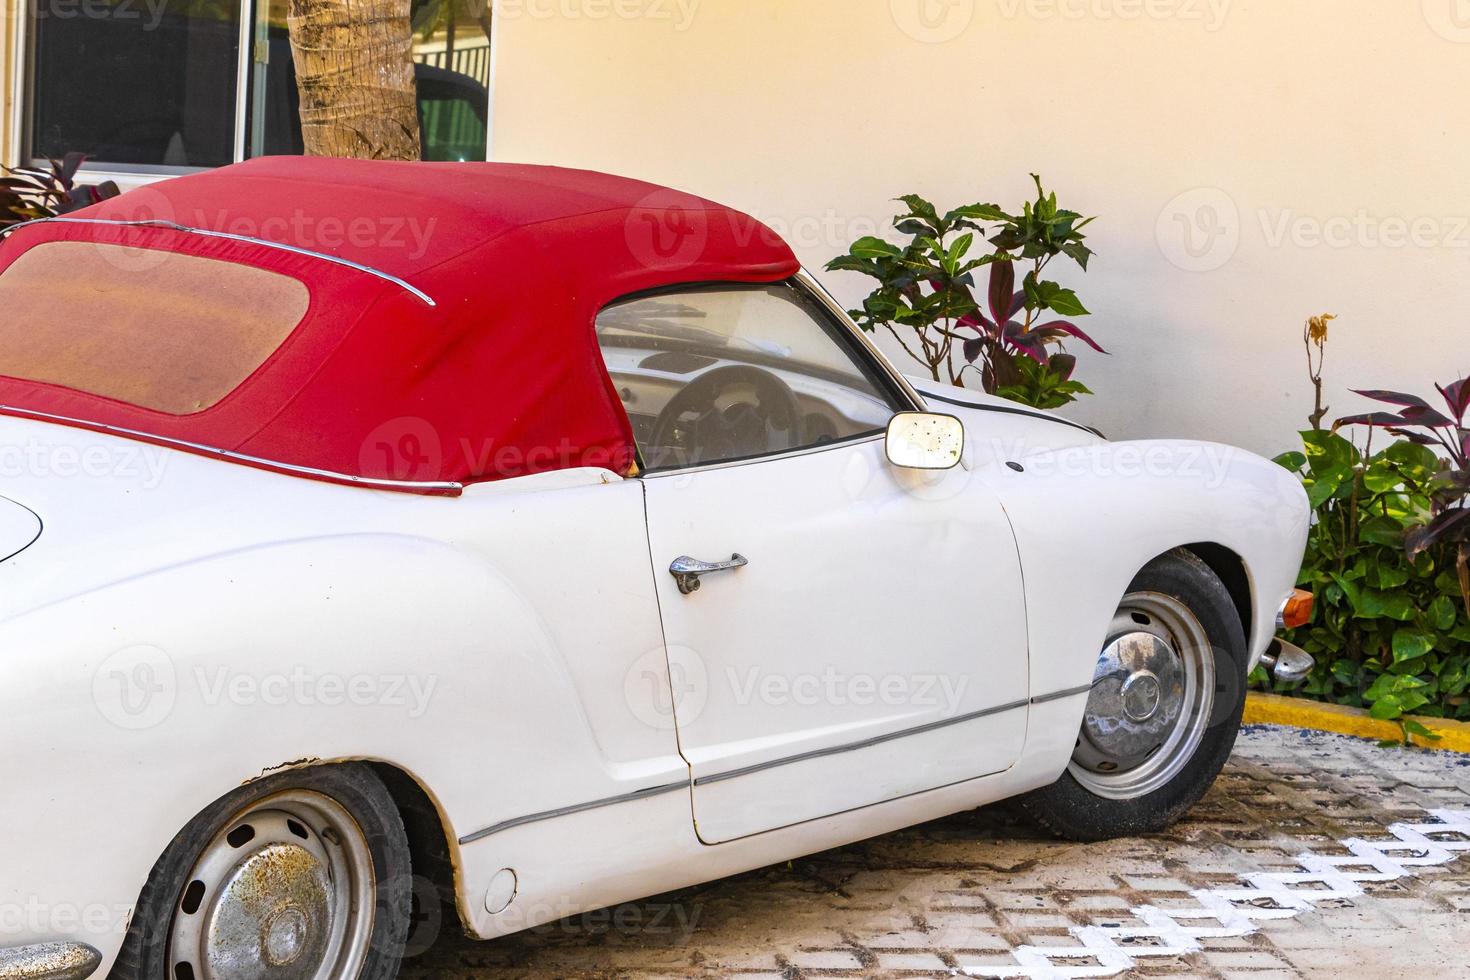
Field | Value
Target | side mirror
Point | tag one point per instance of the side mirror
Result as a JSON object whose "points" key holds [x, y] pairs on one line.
{"points": [[921, 441]]}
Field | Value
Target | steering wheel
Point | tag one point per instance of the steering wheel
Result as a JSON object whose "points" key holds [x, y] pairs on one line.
{"points": [[736, 411]]}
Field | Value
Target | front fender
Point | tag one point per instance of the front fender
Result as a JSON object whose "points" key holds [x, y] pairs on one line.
{"points": [[1088, 518]]}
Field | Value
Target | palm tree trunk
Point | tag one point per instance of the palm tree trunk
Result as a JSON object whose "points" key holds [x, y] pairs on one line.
{"points": [[354, 69]]}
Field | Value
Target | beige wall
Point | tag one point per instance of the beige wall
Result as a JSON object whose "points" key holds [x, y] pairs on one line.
{"points": [[1317, 151]]}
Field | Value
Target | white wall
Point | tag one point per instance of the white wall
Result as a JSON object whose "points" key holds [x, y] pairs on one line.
{"points": [[1345, 119]]}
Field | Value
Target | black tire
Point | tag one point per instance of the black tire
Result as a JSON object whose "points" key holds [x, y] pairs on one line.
{"points": [[1069, 809], [354, 787]]}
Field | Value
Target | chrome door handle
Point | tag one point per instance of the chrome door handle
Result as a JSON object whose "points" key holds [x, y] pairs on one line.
{"points": [[686, 570]]}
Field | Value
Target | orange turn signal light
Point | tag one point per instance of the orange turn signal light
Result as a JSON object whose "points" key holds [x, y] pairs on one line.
{"points": [[1298, 609]]}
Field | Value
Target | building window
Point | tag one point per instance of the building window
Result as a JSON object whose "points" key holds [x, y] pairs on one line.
{"points": [[156, 88], [136, 85]]}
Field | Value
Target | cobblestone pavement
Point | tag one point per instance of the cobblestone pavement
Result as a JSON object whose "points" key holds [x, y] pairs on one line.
{"points": [[969, 890]]}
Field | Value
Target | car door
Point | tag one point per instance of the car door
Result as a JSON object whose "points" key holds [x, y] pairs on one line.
{"points": [[858, 632]]}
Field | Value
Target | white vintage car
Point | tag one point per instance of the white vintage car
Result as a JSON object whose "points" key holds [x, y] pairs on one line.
{"points": [[539, 540]]}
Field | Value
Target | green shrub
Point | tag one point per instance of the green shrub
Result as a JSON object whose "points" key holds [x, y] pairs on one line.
{"points": [[1391, 632], [1011, 340]]}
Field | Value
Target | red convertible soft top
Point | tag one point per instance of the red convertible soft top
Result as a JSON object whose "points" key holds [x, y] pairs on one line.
{"points": [[410, 323]]}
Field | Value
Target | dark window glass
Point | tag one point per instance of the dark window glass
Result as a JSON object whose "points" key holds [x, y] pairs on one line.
{"points": [[136, 83], [451, 69]]}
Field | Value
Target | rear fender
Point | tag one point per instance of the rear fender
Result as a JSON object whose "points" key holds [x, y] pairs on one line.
{"points": [[159, 694]]}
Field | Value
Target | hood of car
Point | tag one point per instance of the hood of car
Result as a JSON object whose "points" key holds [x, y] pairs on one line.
{"points": [[19, 528], [942, 397]]}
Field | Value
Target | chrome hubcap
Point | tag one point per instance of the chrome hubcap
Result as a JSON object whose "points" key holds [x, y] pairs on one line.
{"points": [[286, 892], [1151, 697]]}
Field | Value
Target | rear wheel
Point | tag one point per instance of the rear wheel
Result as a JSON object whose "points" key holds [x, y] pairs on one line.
{"points": [[1164, 711], [302, 876]]}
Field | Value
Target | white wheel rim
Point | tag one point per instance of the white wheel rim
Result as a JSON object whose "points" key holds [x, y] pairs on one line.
{"points": [[1152, 695], [285, 892]]}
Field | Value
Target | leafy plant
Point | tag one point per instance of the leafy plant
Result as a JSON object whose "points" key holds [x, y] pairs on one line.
{"points": [[29, 193], [926, 298], [1422, 424], [1384, 557], [1391, 630], [1044, 385]]}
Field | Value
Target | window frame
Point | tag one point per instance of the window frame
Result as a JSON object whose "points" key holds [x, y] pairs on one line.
{"points": [[18, 142], [849, 338], [22, 110]]}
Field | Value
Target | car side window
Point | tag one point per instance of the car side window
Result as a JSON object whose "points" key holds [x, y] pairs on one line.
{"points": [[720, 373]]}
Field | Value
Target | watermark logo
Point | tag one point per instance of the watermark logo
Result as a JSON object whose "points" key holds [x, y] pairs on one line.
{"points": [[933, 21], [150, 208], [406, 448], [1450, 19], [664, 689], [136, 688], [674, 690], [1199, 231], [141, 687], [667, 230]]}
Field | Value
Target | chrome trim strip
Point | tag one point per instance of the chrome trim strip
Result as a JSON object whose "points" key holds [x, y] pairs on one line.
{"points": [[173, 226], [644, 794], [230, 455], [1006, 410], [49, 961], [857, 440], [640, 794], [857, 809], [1059, 695], [866, 743]]}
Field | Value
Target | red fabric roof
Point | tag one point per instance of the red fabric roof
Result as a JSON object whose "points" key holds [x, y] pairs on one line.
{"points": [[501, 377]]}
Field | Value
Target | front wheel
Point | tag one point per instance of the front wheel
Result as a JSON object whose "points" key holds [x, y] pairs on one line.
{"points": [[1165, 708]]}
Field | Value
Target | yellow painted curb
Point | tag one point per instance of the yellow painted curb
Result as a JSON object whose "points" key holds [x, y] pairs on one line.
{"points": [[1274, 709]]}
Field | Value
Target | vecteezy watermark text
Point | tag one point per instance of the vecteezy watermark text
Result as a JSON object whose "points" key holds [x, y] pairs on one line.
{"points": [[1363, 229], [1209, 14], [140, 687], [835, 688], [149, 12], [137, 462], [308, 688], [679, 13]]}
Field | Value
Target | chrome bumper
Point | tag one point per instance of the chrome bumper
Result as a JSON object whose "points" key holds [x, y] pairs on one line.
{"points": [[49, 961]]}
